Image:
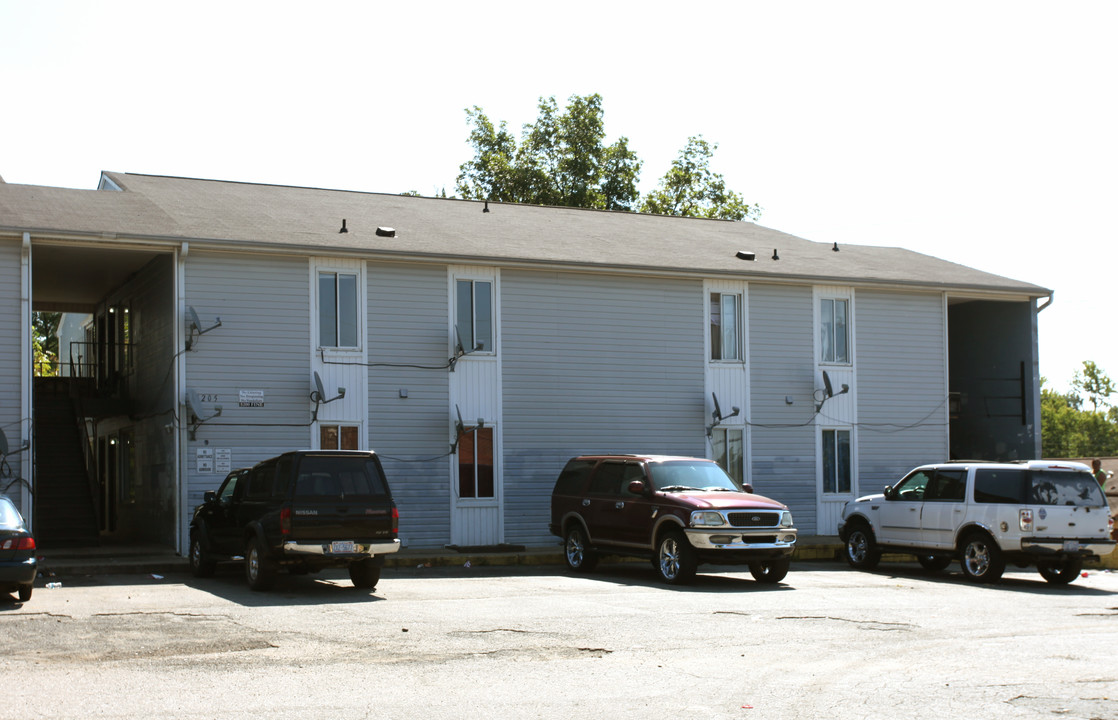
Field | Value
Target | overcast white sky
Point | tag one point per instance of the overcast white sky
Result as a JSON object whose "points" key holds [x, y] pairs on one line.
{"points": [[985, 133]]}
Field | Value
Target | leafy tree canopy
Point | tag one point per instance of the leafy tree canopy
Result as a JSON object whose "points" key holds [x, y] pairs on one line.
{"points": [[562, 159], [1067, 430], [691, 189]]}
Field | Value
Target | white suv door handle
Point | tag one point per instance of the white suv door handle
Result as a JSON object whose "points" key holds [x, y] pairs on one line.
{"points": [[586, 502], [619, 505]]}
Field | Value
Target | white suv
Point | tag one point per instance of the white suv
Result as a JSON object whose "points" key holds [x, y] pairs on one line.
{"points": [[1049, 514]]}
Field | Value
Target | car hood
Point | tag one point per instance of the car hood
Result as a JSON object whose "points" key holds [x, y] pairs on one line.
{"points": [[723, 500]]}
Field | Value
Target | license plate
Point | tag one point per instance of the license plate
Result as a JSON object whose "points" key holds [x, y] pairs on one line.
{"points": [[342, 546], [1071, 546]]}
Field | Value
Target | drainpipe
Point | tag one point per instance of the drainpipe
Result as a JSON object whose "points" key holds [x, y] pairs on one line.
{"points": [[26, 374], [182, 529]]}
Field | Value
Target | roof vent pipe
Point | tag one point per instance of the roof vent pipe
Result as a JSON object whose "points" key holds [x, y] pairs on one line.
{"points": [[775, 256], [486, 208], [343, 230], [835, 248]]}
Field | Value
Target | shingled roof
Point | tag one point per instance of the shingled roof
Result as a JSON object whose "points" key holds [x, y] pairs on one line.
{"points": [[307, 220]]}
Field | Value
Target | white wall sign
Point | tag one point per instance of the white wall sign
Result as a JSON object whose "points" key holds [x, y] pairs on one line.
{"points": [[251, 398]]}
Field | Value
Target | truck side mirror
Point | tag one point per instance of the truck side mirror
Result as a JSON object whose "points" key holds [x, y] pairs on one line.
{"points": [[209, 496]]}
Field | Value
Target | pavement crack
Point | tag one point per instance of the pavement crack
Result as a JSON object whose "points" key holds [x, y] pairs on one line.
{"points": [[873, 624]]}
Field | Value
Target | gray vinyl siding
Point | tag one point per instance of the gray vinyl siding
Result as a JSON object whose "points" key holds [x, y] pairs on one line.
{"points": [[263, 344], [782, 364], [408, 326], [593, 364], [10, 349], [902, 384]]}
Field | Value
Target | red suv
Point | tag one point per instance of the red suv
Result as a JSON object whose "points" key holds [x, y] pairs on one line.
{"points": [[677, 511]]}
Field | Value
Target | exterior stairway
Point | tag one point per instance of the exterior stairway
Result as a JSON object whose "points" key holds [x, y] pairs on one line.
{"points": [[65, 512]]}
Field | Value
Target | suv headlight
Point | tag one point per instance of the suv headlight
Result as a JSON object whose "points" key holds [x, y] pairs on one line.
{"points": [[786, 519], [701, 518]]}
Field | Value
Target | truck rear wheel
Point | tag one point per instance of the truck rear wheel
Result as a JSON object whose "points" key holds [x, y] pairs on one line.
{"points": [[260, 571], [365, 574]]}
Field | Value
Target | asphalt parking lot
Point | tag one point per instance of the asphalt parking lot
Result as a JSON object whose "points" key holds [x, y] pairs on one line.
{"points": [[513, 642]]}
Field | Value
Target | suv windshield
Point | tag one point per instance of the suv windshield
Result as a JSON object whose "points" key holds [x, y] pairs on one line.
{"points": [[685, 475], [1065, 488]]}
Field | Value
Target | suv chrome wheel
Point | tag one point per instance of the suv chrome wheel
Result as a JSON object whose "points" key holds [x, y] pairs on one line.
{"points": [[677, 562], [861, 548], [579, 556], [982, 560]]}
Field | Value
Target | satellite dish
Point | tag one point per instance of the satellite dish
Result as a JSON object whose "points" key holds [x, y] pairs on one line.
{"points": [[717, 414], [3, 444], [459, 427], [827, 384], [193, 403], [321, 392], [192, 320]]}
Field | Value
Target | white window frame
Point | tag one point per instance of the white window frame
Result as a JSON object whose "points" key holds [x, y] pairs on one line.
{"points": [[473, 278], [738, 327], [823, 460], [832, 295], [738, 471], [357, 272]]}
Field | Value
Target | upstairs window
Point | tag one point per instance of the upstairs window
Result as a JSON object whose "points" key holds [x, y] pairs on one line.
{"points": [[337, 310], [725, 326], [474, 315], [834, 335]]}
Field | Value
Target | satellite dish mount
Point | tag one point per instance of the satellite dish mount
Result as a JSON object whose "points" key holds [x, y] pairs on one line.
{"points": [[828, 391], [197, 412], [461, 429], [318, 395], [717, 417], [194, 326]]}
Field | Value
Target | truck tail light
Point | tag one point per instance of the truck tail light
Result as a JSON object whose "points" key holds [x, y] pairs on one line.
{"points": [[1025, 519], [395, 520], [285, 521]]}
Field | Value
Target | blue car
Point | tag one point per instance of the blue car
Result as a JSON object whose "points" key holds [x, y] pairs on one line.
{"points": [[18, 565]]}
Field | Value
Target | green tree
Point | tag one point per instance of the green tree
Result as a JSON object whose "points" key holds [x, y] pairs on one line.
{"points": [[691, 189], [1069, 431], [44, 342], [561, 159], [1094, 383]]}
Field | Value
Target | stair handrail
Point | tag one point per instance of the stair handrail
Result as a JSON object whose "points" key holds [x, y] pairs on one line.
{"points": [[88, 456]]}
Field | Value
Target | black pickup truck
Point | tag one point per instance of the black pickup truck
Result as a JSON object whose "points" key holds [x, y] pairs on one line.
{"points": [[303, 511]]}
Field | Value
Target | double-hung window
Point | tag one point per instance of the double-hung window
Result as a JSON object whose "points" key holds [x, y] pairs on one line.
{"points": [[834, 333], [337, 310], [474, 315], [836, 461], [725, 326], [728, 450], [475, 464]]}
